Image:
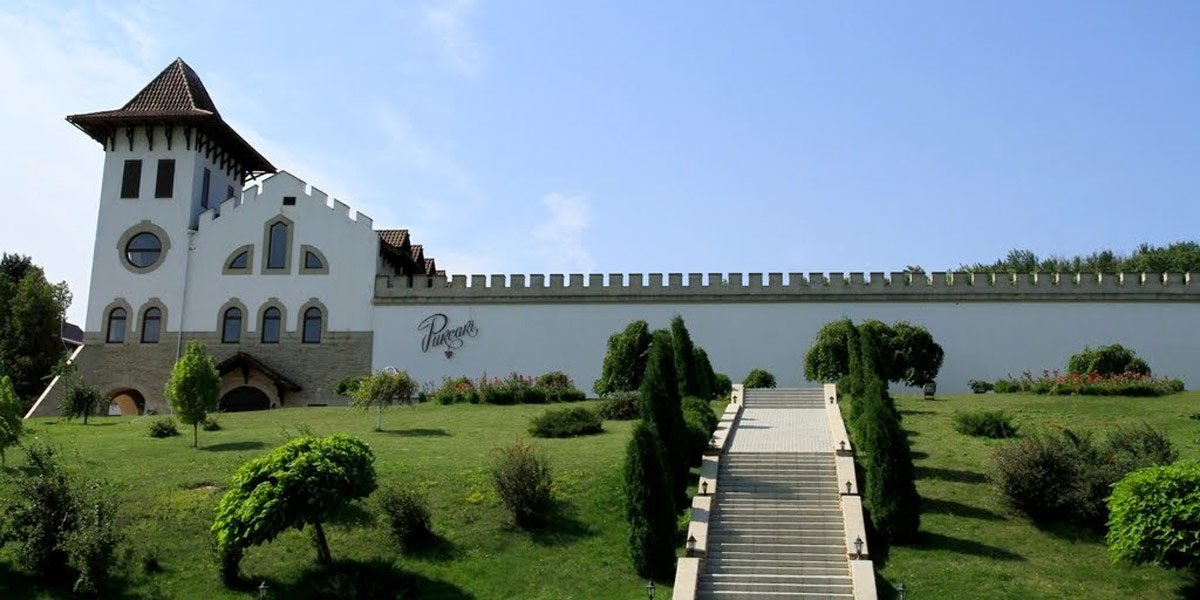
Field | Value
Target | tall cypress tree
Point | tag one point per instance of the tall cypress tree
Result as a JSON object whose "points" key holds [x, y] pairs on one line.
{"points": [[890, 493], [706, 387], [662, 407], [685, 358], [649, 504]]}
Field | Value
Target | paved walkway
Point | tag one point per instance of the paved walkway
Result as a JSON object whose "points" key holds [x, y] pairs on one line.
{"points": [[782, 429]]}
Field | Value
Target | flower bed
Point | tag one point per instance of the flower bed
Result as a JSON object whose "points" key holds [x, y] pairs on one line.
{"points": [[514, 389], [1091, 384]]}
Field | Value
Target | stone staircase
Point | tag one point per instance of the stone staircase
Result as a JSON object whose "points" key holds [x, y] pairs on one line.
{"points": [[777, 529]]}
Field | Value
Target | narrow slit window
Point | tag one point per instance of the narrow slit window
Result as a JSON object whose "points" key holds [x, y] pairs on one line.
{"points": [[205, 183], [231, 328], [131, 179], [116, 325], [272, 318], [151, 325], [277, 246], [164, 185]]}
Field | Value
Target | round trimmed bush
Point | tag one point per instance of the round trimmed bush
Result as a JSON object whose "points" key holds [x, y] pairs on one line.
{"points": [[759, 378], [1155, 517]]}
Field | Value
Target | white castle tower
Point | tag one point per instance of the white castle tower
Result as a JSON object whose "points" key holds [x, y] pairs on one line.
{"points": [[168, 157]]}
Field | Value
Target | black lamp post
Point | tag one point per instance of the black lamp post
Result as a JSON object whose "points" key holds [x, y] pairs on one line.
{"points": [[650, 589], [691, 545], [847, 488], [703, 488], [842, 443], [901, 592], [858, 544], [263, 588]]}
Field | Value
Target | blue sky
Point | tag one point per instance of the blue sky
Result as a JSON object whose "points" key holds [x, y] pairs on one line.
{"points": [[540, 137]]}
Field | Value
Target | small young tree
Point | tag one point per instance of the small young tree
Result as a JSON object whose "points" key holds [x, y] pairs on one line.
{"points": [[684, 354], [383, 389], [11, 423], [522, 479], [303, 482], [649, 507], [662, 407], [82, 400], [917, 357], [194, 387], [625, 362], [828, 359], [1154, 517]]}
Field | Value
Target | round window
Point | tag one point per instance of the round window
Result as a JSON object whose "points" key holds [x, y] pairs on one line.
{"points": [[143, 250]]}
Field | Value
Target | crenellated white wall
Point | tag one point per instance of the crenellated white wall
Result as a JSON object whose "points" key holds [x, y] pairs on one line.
{"points": [[347, 242], [982, 339]]}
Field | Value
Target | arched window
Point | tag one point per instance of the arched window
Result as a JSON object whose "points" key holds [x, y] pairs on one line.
{"points": [[271, 320], [312, 326], [312, 261], [231, 326], [116, 325], [277, 238], [151, 325]]}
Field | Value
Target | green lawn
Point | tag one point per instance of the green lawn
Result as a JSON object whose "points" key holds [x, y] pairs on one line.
{"points": [[168, 490], [971, 546]]}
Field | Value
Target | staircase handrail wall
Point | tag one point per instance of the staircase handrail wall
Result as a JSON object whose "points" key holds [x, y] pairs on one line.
{"points": [[687, 570]]}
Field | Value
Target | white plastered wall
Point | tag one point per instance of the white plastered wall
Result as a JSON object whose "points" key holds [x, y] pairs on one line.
{"points": [[982, 340]]}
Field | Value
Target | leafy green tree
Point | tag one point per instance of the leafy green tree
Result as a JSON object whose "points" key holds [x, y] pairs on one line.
{"points": [[31, 343], [11, 423], [383, 389], [303, 482], [890, 491], [828, 359], [649, 504], [759, 378], [625, 362], [194, 388], [81, 400], [916, 357], [1154, 517], [662, 407], [684, 353]]}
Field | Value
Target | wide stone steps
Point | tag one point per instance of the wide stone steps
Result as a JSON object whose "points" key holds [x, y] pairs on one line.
{"points": [[784, 399]]}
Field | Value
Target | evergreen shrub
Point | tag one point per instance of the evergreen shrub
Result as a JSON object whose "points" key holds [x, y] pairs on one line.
{"points": [[163, 428], [408, 516], [625, 361], [1107, 360], [722, 386], [662, 407], [522, 479], [890, 491], [759, 378], [210, 424], [621, 406], [993, 424], [701, 422], [566, 422]]}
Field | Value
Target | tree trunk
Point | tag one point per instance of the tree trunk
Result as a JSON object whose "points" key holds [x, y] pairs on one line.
{"points": [[195, 435], [379, 417], [323, 555]]}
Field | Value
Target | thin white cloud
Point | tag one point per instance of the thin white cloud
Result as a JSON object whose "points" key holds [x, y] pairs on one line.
{"points": [[52, 64], [559, 239], [447, 22]]}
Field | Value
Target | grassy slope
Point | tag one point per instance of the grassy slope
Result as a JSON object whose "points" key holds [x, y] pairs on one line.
{"points": [[168, 492], [973, 547]]}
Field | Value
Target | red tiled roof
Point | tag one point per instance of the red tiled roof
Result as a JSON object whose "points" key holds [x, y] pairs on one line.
{"points": [[430, 267], [393, 237], [175, 96]]}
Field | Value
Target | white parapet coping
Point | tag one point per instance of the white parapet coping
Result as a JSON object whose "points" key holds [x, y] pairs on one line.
{"points": [[837, 427], [720, 437], [846, 473], [855, 526], [862, 576], [687, 579], [51, 408], [698, 527], [709, 468]]}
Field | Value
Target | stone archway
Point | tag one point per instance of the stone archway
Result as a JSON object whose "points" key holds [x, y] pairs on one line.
{"points": [[244, 398], [127, 402]]}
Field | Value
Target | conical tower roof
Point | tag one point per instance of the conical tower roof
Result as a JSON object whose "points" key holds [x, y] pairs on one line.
{"points": [[175, 97]]}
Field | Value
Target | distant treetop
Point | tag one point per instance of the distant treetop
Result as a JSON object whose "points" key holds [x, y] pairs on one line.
{"points": [[1176, 257]]}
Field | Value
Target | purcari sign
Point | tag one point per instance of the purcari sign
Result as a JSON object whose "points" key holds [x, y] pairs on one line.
{"points": [[436, 332]]}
